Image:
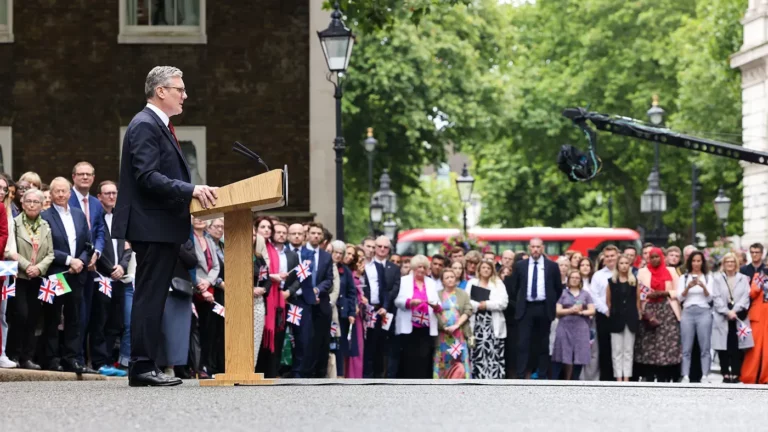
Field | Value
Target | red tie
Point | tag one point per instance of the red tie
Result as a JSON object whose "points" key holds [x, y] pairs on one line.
{"points": [[86, 211], [173, 132]]}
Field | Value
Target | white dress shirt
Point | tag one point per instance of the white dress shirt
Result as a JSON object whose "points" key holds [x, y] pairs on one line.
{"points": [[283, 262], [163, 116], [540, 286], [599, 287], [373, 280], [108, 220], [69, 227]]}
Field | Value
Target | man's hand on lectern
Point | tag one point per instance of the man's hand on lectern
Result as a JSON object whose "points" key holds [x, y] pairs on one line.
{"points": [[207, 195]]}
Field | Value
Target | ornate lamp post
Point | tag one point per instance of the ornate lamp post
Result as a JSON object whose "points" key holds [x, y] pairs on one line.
{"points": [[722, 207], [465, 183], [654, 200]]}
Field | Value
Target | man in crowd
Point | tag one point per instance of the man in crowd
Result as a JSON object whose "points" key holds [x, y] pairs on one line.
{"points": [[631, 252], [507, 259], [456, 253], [83, 176], [71, 235], [436, 270], [296, 238], [107, 311], [599, 288], [536, 286], [391, 284], [376, 295], [756, 266], [313, 334]]}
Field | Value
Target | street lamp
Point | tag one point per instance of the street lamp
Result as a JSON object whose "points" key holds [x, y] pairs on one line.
{"points": [[722, 207], [370, 147], [337, 42], [390, 230], [385, 195], [654, 200], [464, 184], [377, 212]]}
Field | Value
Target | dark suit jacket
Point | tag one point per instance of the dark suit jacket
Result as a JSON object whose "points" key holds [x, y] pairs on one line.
{"points": [[292, 281], [347, 293], [392, 284], [96, 214], [323, 280], [384, 300], [517, 287], [105, 263], [61, 241], [155, 188]]}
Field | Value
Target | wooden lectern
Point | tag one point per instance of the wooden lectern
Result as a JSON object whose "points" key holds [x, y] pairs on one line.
{"points": [[236, 203]]}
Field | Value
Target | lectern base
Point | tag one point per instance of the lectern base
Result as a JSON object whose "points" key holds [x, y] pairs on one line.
{"points": [[228, 380]]}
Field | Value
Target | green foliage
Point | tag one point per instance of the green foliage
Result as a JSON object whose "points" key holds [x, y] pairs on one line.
{"points": [[435, 204]]}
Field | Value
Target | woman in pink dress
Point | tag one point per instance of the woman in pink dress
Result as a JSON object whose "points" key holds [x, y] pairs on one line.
{"points": [[354, 258]]}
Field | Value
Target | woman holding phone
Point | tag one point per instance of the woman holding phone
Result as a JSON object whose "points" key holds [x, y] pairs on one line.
{"points": [[695, 292]]}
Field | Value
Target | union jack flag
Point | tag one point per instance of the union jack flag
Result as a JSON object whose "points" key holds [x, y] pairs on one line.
{"points": [[644, 291], [302, 271], [263, 273], [420, 318], [334, 329], [8, 290], [371, 322], [218, 309], [455, 349], [9, 268], [294, 315], [47, 291], [743, 330], [105, 286]]}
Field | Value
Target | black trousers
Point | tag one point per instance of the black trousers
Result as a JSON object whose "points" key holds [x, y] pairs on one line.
{"points": [[418, 349], [730, 359], [23, 313], [69, 348], [269, 362], [533, 340], [155, 263], [106, 324], [375, 351], [206, 323], [510, 346], [604, 356], [321, 339]]}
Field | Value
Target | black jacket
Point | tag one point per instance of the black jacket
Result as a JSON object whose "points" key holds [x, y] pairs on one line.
{"points": [[623, 307], [517, 287]]}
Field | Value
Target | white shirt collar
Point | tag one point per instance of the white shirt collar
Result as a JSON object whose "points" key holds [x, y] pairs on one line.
{"points": [[382, 262], [163, 116], [540, 260], [61, 209], [309, 246], [79, 195]]}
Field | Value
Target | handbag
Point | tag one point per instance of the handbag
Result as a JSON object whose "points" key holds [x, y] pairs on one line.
{"points": [[181, 286], [650, 321]]}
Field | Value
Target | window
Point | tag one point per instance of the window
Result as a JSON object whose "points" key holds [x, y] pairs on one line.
{"points": [[6, 151], [6, 21], [162, 22], [193, 144]]}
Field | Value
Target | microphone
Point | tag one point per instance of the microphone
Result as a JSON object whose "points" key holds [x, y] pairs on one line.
{"points": [[245, 151]]}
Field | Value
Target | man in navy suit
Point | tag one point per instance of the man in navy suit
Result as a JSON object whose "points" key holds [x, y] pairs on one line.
{"points": [[376, 293], [312, 336], [536, 287], [152, 213], [71, 243], [83, 175]]}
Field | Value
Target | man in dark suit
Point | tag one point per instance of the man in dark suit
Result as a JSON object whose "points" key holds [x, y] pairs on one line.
{"points": [[83, 176], [392, 286], [152, 212], [376, 293], [536, 286], [312, 336], [71, 244], [107, 312]]}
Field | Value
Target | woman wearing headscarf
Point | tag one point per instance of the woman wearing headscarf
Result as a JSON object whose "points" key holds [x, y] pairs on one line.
{"points": [[657, 343], [731, 302]]}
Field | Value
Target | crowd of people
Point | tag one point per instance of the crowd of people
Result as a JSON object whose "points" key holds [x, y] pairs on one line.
{"points": [[329, 309]]}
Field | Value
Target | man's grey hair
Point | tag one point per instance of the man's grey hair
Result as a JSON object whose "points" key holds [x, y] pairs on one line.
{"points": [[158, 77], [339, 246], [36, 192]]}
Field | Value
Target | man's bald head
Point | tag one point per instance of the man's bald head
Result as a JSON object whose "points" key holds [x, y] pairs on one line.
{"points": [[296, 235]]}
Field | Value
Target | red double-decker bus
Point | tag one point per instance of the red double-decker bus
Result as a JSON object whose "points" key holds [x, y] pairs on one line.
{"points": [[588, 241]]}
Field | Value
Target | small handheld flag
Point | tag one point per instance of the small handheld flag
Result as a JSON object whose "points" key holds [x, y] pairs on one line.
{"points": [[8, 290], [302, 271], [420, 318], [644, 291], [371, 323], [294, 315], [105, 286], [743, 330], [334, 329], [455, 349], [218, 309], [9, 268], [62, 287], [263, 273], [47, 291], [386, 321]]}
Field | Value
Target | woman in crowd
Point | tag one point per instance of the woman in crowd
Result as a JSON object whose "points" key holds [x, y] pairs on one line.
{"points": [[590, 372], [273, 299], [730, 293], [9, 254], [624, 306], [416, 322], [262, 231], [458, 270], [35, 254], [755, 367], [489, 299], [454, 330], [657, 342], [694, 290], [353, 362], [177, 317], [33, 179], [565, 266], [471, 261], [206, 273], [574, 309], [575, 260], [346, 306]]}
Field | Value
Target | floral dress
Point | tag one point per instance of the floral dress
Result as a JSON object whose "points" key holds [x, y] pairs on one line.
{"points": [[447, 343]]}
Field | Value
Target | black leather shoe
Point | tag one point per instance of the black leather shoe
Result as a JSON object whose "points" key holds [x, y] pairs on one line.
{"points": [[87, 370], [152, 379], [75, 366], [30, 365], [55, 366]]}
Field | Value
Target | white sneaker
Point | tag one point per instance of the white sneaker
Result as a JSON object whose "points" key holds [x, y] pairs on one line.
{"points": [[685, 380], [6, 363], [706, 379]]}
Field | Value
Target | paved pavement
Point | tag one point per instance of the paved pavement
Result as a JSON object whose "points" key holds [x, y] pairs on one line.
{"points": [[386, 406]]}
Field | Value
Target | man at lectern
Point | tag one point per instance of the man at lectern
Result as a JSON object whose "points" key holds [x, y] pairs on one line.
{"points": [[152, 212]]}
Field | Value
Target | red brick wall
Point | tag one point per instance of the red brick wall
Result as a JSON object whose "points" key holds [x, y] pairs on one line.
{"points": [[66, 87]]}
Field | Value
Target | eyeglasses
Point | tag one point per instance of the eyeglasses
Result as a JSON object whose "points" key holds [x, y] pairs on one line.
{"points": [[181, 90], [35, 202], [84, 174]]}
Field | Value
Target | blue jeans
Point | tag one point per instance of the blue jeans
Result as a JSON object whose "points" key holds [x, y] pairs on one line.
{"points": [[125, 341]]}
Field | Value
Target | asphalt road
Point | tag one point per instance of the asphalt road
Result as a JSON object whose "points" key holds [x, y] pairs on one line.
{"points": [[112, 406]]}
